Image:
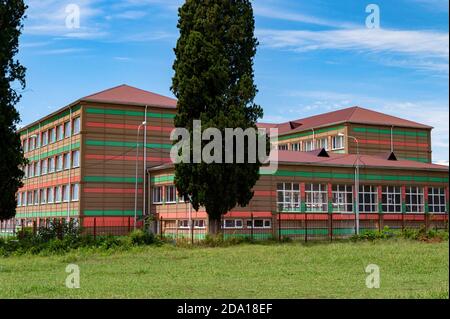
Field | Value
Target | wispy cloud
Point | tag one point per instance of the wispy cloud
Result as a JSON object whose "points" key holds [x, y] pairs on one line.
{"points": [[425, 49]]}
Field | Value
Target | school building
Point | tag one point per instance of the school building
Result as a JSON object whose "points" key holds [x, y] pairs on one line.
{"points": [[86, 162]]}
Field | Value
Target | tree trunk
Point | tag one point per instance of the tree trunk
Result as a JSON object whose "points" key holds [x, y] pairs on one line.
{"points": [[214, 225]]}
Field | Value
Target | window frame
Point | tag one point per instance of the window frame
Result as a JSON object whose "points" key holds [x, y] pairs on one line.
{"points": [[431, 200], [396, 192], [337, 190], [310, 198], [409, 198], [362, 192], [290, 205]]}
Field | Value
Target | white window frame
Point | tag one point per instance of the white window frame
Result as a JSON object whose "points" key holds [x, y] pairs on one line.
{"points": [[50, 195], [234, 221], [296, 147], [393, 196], [52, 135], [335, 143], [322, 143], [287, 191], [439, 194], [66, 161], [76, 126], [43, 196], [170, 189], [197, 223], [66, 191], [75, 192], [157, 195], [309, 145], [283, 147], [44, 138], [67, 129], [264, 220], [372, 191], [316, 200], [183, 223], [59, 162], [75, 155], [60, 132], [58, 194], [417, 193], [44, 167], [36, 197], [51, 165], [340, 198]]}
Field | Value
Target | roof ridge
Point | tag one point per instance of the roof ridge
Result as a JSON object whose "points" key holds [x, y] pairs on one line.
{"points": [[103, 91]]}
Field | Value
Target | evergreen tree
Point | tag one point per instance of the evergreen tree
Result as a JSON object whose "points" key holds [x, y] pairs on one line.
{"points": [[12, 73], [213, 82]]}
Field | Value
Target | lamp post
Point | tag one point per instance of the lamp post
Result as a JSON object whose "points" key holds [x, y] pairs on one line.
{"points": [[356, 182], [136, 177]]}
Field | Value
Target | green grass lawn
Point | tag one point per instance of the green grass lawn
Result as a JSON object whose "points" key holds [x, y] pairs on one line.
{"points": [[408, 270]]}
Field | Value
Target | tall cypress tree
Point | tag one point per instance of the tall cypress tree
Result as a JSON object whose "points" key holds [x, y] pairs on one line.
{"points": [[213, 82], [12, 73]]}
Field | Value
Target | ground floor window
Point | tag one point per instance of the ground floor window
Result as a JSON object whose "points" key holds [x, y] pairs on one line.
{"points": [[316, 197], [233, 223], [184, 223], [391, 199], [368, 199], [342, 198], [436, 200], [259, 223], [288, 196], [414, 199], [199, 223]]}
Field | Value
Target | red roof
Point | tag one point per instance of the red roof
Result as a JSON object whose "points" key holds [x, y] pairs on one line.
{"points": [[350, 160], [354, 114], [125, 94]]}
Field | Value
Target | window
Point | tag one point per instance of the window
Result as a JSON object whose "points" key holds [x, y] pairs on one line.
{"points": [[60, 132], [233, 223], [368, 199], [76, 159], [25, 145], [37, 168], [296, 147], [288, 196], [338, 142], [51, 164], [309, 145], [50, 195], [76, 126], [283, 147], [259, 223], [436, 200], [32, 143], [316, 198], [65, 191], [38, 140], [43, 196], [31, 169], [184, 223], [391, 199], [59, 163], [58, 194], [44, 167], [30, 198], [322, 143], [67, 161], [157, 195], [52, 133], [19, 199], [36, 197], [75, 192], [171, 194], [67, 129], [342, 198], [199, 223], [25, 171], [414, 199], [44, 138]]}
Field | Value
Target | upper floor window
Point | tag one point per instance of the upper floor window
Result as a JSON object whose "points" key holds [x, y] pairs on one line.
{"points": [[309, 145], [436, 200], [37, 168], [288, 196], [60, 132], [32, 143], [338, 142], [322, 143], [157, 195], [171, 194], [391, 197], [59, 162], [36, 197], [414, 199], [296, 147], [283, 147], [66, 160], [75, 192], [58, 194], [44, 167], [44, 138], [76, 159], [51, 164], [25, 145], [76, 126], [67, 129], [66, 193], [52, 134], [50, 195]]}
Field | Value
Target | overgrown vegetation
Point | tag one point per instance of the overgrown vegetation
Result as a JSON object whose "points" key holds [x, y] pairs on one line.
{"points": [[421, 234]]}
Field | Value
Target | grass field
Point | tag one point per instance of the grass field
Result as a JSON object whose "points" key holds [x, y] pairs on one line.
{"points": [[408, 270]]}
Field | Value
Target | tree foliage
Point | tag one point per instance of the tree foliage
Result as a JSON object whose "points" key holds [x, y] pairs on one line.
{"points": [[213, 82], [12, 73]]}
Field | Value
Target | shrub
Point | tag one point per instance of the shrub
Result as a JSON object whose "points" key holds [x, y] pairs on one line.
{"points": [[141, 237]]}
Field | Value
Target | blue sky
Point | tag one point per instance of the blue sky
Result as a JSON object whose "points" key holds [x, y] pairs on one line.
{"points": [[314, 56]]}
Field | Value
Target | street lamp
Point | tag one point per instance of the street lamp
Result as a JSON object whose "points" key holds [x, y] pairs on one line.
{"points": [[136, 182], [356, 182]]}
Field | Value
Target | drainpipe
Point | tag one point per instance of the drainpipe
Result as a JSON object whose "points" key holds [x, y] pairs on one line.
{"points": [[145, 165], [70, 166]]}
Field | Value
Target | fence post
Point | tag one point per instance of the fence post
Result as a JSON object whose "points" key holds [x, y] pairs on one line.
{"points": [[192, 231], [426, 221], [129, 224], [95, 228], [279, 226], [331, 226], [403, 222], [251, 229], [306, 227], [160, 227], [380, 220]]}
